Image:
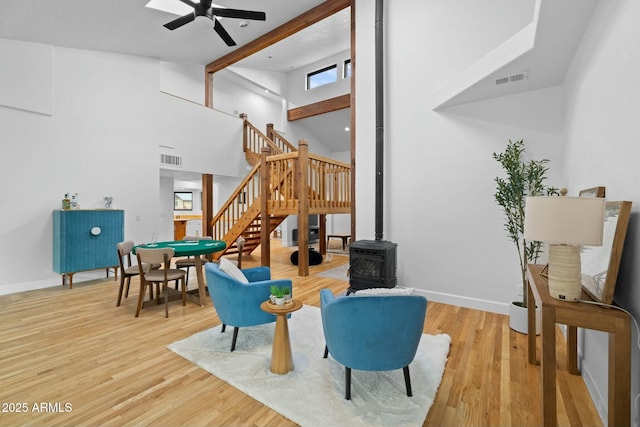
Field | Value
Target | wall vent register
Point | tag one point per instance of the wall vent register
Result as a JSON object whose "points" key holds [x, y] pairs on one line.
{"points": [[168, 159]]}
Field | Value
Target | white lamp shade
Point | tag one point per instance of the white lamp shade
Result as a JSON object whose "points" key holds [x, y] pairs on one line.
{"points": [[564, 220]]}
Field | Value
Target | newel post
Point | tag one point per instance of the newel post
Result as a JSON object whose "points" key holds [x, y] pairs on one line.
{"points": [[245, 143], [265, 190], [270, 131], [302, 173]]}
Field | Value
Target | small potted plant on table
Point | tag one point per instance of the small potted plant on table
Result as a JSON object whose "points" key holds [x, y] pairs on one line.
{"points": [[277, 294]]}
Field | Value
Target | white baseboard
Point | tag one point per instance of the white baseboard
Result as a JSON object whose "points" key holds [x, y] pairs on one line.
{"points": [[475, 303], [51, 282], [598, 401], [13, 288]]}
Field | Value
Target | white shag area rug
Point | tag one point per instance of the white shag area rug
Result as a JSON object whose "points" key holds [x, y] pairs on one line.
{"points": [[313, 393]]}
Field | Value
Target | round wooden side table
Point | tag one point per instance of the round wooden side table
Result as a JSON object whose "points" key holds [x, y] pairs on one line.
{"points": [[281, 359]]}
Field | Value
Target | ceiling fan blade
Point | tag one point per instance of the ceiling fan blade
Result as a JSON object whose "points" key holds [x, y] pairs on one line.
{"points": [[238, 13], [223, 33], [179, 22], [190, 3]]}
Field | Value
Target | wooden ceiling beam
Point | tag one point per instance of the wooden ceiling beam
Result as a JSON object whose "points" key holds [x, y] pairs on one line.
{"points": [[308, 18], [326, 106]]}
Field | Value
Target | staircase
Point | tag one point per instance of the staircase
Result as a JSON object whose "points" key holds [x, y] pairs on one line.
{"points": [[296, 183]]}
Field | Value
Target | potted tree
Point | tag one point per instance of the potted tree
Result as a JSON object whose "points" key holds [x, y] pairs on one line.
{"points": [[522, 178]]}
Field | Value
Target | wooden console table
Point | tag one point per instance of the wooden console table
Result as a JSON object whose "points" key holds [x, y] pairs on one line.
{"points": [[574, 315]]}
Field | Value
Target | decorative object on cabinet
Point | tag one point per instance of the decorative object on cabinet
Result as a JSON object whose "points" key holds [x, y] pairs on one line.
{"points": [[565, 223], [522, 178], [66, 202], [600, 264], [85, 240]]}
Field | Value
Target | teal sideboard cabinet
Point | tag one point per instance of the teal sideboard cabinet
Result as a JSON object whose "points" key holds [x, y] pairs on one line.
{"points": [[85, 240]]}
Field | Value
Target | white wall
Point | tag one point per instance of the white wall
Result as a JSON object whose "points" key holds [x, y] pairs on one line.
{"points": [[183, 80], [274, 81], [235, 97], [164, 230], [103, 139], [298, 95], [26, 76], [439, 172], [601, 129]]}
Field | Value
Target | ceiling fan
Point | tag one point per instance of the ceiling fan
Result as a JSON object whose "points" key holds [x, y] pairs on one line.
{"points": [[204, 8]]}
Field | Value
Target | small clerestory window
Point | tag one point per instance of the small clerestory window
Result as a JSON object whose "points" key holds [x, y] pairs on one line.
{"points": [[322, 77], [346, 70]]}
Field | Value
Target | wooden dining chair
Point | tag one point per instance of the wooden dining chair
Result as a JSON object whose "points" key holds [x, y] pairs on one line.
{"points": [[149, 276], [190, 261], [127, 268]]}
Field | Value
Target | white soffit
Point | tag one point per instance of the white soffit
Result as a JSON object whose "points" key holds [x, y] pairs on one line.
{"points": [[536, 57]]}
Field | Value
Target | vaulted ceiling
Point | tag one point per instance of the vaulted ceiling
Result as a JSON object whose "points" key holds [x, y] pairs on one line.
{"points": [[127, 26]]}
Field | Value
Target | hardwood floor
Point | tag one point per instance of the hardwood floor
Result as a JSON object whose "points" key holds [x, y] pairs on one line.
{"points": [[93, 364]]}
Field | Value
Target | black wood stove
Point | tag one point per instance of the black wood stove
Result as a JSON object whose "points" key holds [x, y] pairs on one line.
{"points": [[373, 264]]}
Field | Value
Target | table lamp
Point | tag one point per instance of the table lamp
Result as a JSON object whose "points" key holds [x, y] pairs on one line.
{"points": [[565, 223]]}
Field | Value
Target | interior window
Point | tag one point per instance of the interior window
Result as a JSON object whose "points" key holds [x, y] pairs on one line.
{"points": [[182, 200]]}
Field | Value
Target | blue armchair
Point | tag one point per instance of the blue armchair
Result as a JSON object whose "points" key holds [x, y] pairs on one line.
{"points": [[373, 333], [238, 304]]}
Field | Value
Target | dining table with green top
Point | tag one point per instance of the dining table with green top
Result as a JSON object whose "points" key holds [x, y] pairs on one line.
{"points": [[195, 248]]}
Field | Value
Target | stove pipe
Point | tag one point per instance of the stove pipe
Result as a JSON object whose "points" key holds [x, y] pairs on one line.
{"points": [[379, 41]]}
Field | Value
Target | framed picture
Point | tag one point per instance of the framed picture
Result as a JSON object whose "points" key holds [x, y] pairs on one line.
{"points": [[593, 192], [600, 264]]}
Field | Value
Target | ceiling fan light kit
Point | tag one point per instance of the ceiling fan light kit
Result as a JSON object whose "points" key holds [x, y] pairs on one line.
{"points": [[204, 8]]}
